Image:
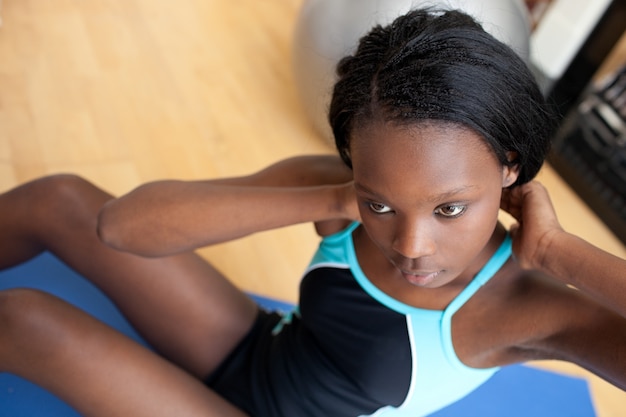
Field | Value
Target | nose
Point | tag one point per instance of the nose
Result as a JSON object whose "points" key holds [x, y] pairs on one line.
{"points": [[414, 239]]}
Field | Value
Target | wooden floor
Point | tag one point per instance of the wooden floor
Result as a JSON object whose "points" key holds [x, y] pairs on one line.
{"points": [[128, 91]]}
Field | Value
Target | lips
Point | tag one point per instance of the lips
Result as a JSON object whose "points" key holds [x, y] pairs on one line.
{"points": [[421, 275], [420, 278], [418, 273], [405, 269]]}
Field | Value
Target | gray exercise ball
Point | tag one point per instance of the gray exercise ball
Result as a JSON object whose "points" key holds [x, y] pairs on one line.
{"points": [[327, 30]]}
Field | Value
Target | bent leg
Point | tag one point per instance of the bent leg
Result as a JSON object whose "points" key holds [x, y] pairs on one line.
{"points": [[93, 367], [181, 305]]}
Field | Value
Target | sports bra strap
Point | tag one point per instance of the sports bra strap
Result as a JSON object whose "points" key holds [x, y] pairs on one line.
{"points": [[486, 273]]}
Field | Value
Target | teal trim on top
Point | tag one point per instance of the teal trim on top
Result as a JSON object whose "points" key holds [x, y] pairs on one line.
{"points": [[492, 266], [502, 254]]}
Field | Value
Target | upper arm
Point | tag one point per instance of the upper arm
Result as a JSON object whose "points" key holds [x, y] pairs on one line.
{"points": [[330, 227], [300, 171]]}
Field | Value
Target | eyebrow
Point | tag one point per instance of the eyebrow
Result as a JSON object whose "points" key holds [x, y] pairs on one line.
{"points": [[435, 198]]}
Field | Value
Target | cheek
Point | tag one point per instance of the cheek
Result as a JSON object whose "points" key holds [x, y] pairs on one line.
{"points": [[380, 232], [478, 226], [492, 206]]}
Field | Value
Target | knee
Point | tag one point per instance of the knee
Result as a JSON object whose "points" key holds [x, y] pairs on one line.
{"points": [[64, 198], [33, 315], [21, 312], [19, 309], [30, 327], [62, 188]]}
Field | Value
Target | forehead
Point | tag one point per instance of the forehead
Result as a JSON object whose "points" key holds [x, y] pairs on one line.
{"points": [[432, 157]]}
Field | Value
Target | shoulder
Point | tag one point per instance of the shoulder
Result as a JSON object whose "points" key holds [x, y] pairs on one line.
{"points": [[539, 304], [531, 316]]}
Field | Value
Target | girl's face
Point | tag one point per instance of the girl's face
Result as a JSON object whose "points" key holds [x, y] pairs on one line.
{"points": [[429, 196]]}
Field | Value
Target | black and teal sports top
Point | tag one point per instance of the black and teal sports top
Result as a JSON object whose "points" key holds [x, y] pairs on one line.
{"points": [[360, 352], [350, 350]]}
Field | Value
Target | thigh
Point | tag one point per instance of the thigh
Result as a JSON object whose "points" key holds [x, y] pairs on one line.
{"points": [[95, 369], [186, 309]]}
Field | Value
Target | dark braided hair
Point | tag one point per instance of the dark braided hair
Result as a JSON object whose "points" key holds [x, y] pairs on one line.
{"points": [[442, 66]]}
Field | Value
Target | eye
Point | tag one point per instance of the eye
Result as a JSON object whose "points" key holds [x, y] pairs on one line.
{"points": [[451, 210], [379, 208]]}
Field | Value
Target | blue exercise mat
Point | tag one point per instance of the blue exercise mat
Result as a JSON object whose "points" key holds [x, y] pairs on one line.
{"points": [[515, 391]]}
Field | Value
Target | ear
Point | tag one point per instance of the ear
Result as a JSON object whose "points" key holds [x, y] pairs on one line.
{"points": [[510, 173]]}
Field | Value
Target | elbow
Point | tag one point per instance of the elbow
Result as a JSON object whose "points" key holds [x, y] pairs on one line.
{"points": [[118, 229], [133, 223], [109, 229]]}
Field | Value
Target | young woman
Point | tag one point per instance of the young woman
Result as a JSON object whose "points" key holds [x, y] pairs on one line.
{"points": [[413, 298]]}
